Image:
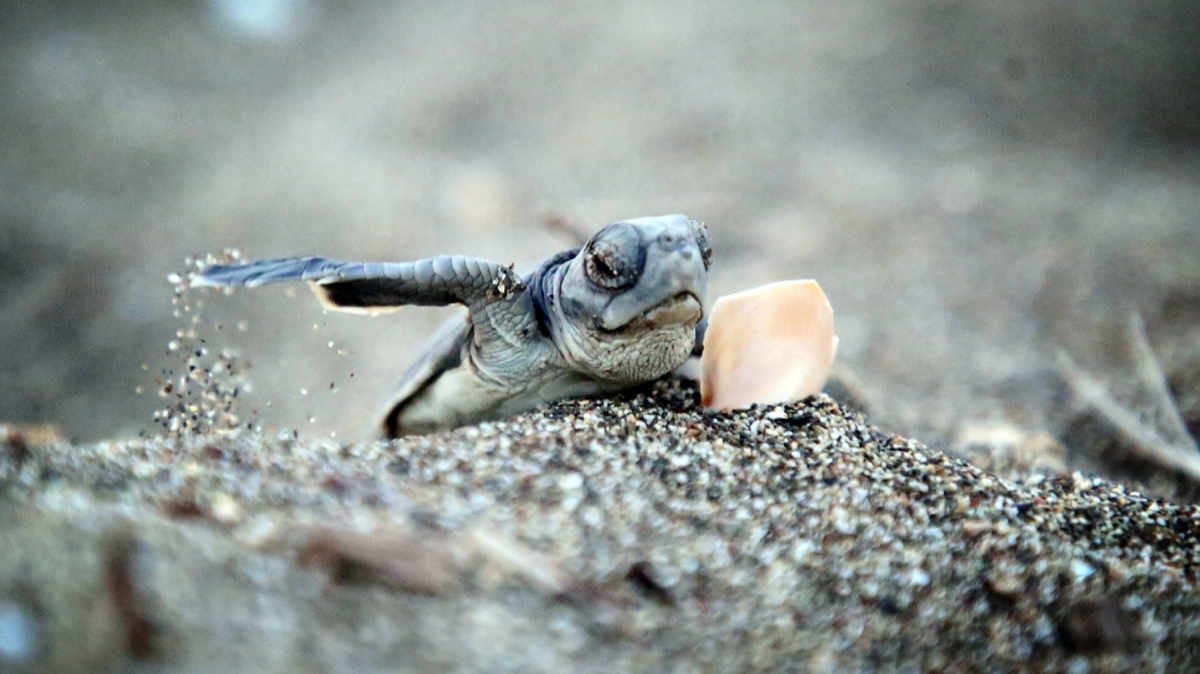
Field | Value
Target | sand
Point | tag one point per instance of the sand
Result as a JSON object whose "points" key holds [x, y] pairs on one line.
{"points": [[638, 534]]}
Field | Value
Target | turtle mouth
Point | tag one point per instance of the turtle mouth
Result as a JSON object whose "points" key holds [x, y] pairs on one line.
{"points": [[676, 310]]}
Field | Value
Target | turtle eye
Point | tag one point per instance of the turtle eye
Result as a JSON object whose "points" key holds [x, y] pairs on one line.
{"points": [[612, 260]]}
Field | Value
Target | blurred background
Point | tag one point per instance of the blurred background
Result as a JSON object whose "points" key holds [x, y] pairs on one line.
{"points": [[977, 185]]}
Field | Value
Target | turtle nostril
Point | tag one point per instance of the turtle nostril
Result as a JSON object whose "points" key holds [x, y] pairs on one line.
{"points": [[670, 241]]}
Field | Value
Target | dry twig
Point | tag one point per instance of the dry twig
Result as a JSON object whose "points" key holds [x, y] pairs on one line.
{"points": [[563, 226], [1176, 451], [1166, 412]]}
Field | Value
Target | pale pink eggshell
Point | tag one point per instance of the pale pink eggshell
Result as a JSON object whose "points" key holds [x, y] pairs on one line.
{"points": [[771, 344]]}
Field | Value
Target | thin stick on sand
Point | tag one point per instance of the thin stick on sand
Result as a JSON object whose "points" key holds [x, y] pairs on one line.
{"points": [[1167, 415], [1176, 453]]}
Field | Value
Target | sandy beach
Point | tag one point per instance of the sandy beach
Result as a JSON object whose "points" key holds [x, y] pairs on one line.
{"points": [[985, 191], [635, 534]]}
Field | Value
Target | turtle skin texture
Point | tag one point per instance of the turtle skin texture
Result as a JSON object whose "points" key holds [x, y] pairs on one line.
{"points": [[624, 309]]}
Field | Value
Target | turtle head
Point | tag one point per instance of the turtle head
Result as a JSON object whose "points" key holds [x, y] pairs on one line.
{"points": [[634, 294]]}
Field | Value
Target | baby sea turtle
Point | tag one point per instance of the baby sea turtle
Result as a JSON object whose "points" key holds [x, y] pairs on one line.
{"points": [[622, 310]]}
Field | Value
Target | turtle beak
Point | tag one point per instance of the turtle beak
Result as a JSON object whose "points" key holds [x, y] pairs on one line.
{"points": [[681, 309], [671, 290]]}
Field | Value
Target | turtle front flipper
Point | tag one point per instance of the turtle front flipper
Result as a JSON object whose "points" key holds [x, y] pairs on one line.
{"points": [[375, 286], [701, 328]]}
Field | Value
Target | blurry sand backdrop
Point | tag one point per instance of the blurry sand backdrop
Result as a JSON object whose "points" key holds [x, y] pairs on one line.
{"points": [[974, 184]]}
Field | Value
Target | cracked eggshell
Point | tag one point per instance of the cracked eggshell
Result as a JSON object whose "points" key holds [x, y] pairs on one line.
{"points": [[771, 344]]}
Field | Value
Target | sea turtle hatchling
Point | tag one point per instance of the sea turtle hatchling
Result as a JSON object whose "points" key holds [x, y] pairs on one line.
{"points": [[622, 310]]}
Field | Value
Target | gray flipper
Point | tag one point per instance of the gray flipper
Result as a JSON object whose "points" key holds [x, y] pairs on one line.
{"points": [[442, 352], [701, 327], [437, 281]]}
